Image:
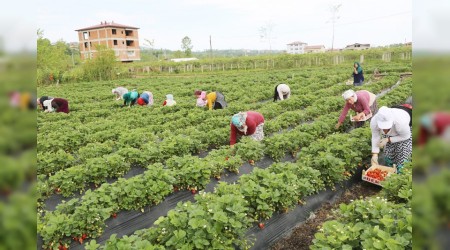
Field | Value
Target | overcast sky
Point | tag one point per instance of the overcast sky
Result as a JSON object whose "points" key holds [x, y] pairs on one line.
{"points": [[235, 24]]}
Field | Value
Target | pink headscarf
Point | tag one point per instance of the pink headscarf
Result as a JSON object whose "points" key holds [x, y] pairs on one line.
{"points": [[201, 102]]}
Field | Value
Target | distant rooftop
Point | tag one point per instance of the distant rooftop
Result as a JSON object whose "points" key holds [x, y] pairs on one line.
{"points": [[105, 24], [296, 42]]}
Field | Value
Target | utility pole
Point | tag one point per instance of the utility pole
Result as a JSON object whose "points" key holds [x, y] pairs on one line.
{"points": [[210, 47], [334, 11]]}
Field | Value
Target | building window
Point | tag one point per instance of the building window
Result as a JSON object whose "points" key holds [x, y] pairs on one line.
{"points": [[85, 44], [113, 31], [115, 42], [130, 53], [128, 32], [85, 35], [123, 42], [130, 43]]}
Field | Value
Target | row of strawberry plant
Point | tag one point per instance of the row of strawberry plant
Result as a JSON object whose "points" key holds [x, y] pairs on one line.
{"points": [[277, 188]]}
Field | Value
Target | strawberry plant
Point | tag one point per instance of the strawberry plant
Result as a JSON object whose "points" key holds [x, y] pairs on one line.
{"points": [[249, 149], [371, 223]]}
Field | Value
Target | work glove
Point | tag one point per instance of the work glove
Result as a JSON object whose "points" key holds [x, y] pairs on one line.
{"points": [[383, 142], [374, 159]]}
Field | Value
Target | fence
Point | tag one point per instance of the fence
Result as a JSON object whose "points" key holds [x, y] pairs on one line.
{"points": [[277, 63]]}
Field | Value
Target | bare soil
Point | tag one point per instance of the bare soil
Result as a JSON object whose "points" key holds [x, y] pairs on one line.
{"points": [[301, 237]]}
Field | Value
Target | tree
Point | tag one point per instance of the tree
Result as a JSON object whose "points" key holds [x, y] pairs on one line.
{"points": [[101, 67], [186, 45], [53, 60], [265, 33]]}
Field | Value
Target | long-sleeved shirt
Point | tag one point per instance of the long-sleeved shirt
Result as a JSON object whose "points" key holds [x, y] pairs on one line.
{"points": [[364, 99], [253, 120], [57, 104], [282, 90], [210, 99], [130, 98], [441, 122], [400, 130]]}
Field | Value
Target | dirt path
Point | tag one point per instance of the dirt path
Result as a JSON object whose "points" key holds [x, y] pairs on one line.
{"points": [[301, 236]]}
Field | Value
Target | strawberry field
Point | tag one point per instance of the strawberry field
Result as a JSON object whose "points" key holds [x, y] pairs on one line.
{"points": [[103, 165]]}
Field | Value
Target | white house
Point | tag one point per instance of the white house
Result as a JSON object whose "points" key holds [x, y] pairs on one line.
{"points": [[315, 49], [183, 59], [357, 46], [296, 47]]}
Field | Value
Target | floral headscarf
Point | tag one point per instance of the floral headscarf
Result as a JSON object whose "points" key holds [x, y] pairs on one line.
{"points": [[239, 121]]}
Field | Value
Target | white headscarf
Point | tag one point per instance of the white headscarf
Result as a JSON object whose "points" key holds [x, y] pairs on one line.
{"points": [[349, 93]]}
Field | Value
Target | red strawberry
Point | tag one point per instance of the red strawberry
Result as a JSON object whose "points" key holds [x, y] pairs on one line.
{"points": [[252, 162], [261, 225], [75, 238], [175, 189], [226, 158], [114, 215], [193, 191], [57, 190], [84, 236], [80, 240]]}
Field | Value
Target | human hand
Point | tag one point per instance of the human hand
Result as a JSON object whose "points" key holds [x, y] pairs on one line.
{"points": [[374, 160], [337, 125], [232, 146], [383, 142]]}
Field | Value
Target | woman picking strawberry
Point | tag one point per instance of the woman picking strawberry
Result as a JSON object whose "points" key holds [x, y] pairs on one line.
{"points": [[248, 123]]}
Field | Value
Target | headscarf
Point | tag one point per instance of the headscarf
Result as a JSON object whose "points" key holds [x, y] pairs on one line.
{"points": [[427, 121], [349, 93], [385, 118], [197, 92], [359, 68], [201, 102], [239, 121], [169, 100]]}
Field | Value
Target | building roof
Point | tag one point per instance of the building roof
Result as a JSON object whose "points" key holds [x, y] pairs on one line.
{"points": [[296, 42], [105, 24], [315, 47], [364, 44]]}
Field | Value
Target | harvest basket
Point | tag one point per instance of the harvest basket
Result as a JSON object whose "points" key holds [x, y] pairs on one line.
{"points": [[364, 177]]}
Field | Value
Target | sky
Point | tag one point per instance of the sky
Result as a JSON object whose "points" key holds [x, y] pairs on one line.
{"points": [[235, 24]]}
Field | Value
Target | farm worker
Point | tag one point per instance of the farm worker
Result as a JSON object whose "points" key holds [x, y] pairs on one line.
{"points": [[363, 102], [40, 101], [169, 100], [146, 98], [201, 100], [130, 98], [358, 75], [391, 128], [119, 92], [248, 123], [26, 101], [215, 100], [57, 104], [434, 124], [282, 91]]}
